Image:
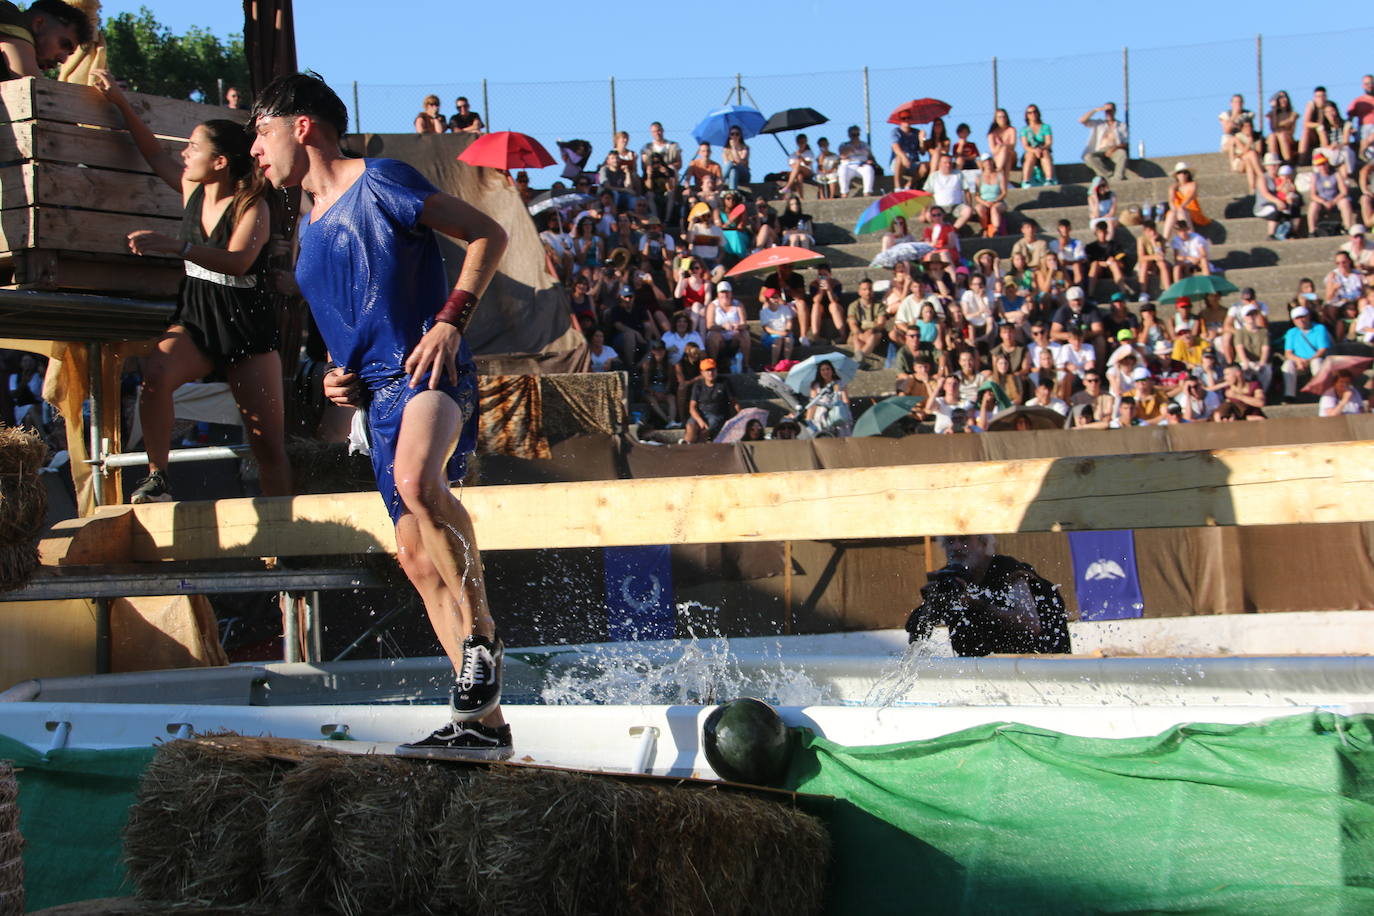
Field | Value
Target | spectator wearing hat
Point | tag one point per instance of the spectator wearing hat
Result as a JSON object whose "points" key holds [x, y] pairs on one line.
{"points": [[1185, 318], [629, 325], [1104, 253], [1250, 343], [1151, 255], [727, 329], [1121, 377], [1183, 200], [1076, 314], [856, 161], [1118, 317], [778, 322], [1329, 192], [1187, 349], [1149, 402], [1192, 252], [706, 238], [1305, 346], [1106, 151], [712, 402], [1360, 252]]}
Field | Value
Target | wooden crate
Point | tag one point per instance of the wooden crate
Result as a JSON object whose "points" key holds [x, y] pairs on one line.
{"points": [[73, 186]]}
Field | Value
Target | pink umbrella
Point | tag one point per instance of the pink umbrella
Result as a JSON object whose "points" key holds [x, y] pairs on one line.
{"points": [[733, 430], [1333, 364]]}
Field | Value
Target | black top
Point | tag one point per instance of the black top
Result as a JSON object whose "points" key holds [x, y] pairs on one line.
{"points": [[968, 638], [1103, 251], [713, 400], [463, 121], [1084, 320]]}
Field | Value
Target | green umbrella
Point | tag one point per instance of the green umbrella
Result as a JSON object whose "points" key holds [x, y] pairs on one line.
{"points": [[876, 420], [1197, 286]]}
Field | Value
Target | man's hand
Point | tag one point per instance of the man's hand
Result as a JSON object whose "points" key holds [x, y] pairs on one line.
{"points": [[344, 388], [436, 353]]}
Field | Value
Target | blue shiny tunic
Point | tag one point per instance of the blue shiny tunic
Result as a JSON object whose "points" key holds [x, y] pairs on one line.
{"points": [[374, 278]]}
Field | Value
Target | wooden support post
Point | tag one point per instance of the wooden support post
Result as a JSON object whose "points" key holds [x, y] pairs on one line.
{"points": [[787, 588]]}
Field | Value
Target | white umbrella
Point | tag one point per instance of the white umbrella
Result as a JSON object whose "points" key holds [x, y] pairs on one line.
{"points": [[905, 251], [800, 376], [733, 430]]}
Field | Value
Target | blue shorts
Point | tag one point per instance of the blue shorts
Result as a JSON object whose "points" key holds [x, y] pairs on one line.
{"points": [[384, 414]]}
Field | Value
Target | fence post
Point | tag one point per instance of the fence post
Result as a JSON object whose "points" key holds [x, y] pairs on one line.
{"points": [[1259, 72], [614, 126], [739, 89], [996, 98], [357, 115], [486, 104], [868, 112], [1126, 90]]}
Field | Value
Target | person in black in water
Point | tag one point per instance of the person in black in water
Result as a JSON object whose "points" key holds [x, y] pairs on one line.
{"points": [[40, 37], [225, 317], [990, 602]]}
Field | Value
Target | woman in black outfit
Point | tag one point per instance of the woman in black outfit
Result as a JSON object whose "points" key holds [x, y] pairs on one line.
{"points": [[225, 315]]}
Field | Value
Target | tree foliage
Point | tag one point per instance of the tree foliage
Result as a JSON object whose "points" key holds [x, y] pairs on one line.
{"points": [[153, 60]]}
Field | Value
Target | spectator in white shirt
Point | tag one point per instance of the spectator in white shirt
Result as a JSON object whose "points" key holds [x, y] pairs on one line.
{"points": [[1070, 250], [1106, 151], [1192, 252], [778, 321], [1341, 397], [1045, 397], [856, 159], [1071, 360], [947, 187]]}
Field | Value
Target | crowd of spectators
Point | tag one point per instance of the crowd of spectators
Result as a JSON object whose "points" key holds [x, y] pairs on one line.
{"points": [[643, 245]]}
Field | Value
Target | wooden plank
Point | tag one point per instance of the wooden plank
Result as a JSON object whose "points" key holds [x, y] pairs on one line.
{"points": [[94, 147], [78, 230], [62, 185], [68, 103], [103, 540], [1252, 486], [143, 278]]}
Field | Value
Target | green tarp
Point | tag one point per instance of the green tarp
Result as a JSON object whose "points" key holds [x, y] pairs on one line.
{"points": [[1268, 818], [73, 806]]}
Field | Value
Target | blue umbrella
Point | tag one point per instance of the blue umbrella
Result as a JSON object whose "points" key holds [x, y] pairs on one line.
{"points": [[715, 127], [902, 251]]}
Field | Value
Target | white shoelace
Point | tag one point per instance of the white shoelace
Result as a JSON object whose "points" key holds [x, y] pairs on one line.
{"points": [[472, 672]]}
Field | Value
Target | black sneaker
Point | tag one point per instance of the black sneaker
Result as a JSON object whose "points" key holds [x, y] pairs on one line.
{"points": [[152, 489], [478, 690], [462, 741]]}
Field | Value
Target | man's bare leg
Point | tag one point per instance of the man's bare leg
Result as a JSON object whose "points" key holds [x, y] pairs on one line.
{"points": [[436, 543]]}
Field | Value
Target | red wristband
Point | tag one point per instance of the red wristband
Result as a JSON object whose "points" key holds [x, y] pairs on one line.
{"points": [[458, 309]]}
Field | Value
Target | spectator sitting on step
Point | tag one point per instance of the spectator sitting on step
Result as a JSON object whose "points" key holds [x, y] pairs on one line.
{"points": [[706, 238], [701, 166], [429, 120], [907, 168], [827, 170], [1250, 346], [1341, 397], [1127, 414], [1151, 254], [657, 376], [669, 152], [1305, 346], [727, 329], [1005, 377], [937, 142], [677, 339], [1009, 343], [1243, 393], [40, 37], [1149, 403], [630, 326], [1269, 206], [796, 225], [1044, 369], [946, 186], [1231, 120], [801, 166], [1031, 249], [1361, 113], [1336, 137], [941, 236], [1309, 135], [1102, 204], [1365, 191], [465, 120], [1071, 361], [914, 371], [778, 322], [1213, 318], [693, 292], [1192, 252], [991, 201], [1188, 349], [1283, 122], [1045, 397], [856, 160], [964, 151], [1002, 143], [1095, 395], [1183, 200], [828, 408], [618, 176], [712, 402], [897, 233], [559, 246], [1037, 144], [686, 371], [1070, 251], [825, 292], [736, 156], [1360, 253], [867, 321], [1329, 193], [603, 358], [945, 402], [1344, 283], [1106, 151], [1104, 253], [1075, 314], [1245, 149]]}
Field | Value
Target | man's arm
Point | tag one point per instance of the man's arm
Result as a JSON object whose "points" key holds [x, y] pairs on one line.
{"points": [[20, 56], [438, 349]]}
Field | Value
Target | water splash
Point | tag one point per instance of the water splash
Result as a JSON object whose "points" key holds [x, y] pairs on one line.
{"points": [[899, 681]]}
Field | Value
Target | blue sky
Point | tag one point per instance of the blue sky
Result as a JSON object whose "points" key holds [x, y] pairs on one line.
{"points": [[548, 64]]}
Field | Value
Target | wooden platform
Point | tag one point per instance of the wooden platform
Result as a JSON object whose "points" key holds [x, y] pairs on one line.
{"points": [[73, 186]]}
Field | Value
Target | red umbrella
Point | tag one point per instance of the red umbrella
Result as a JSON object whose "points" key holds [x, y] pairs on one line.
{"points": [[919, 111], [506, 149], [770, 259], [1324, 379]]}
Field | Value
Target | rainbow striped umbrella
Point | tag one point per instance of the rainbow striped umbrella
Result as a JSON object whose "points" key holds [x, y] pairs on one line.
{"points": [[882, 211]]}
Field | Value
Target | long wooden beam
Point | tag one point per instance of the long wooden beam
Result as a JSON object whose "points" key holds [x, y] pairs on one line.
{"points": [[1249, 486]]}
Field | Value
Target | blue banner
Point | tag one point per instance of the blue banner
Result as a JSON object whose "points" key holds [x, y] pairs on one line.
{"points": [[1105, 575], [639, 593]]}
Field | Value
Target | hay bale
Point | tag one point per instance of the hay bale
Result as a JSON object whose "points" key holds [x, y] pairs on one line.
{"points": [[354, 835], [196, 826], [11, 845], [23, 504]]}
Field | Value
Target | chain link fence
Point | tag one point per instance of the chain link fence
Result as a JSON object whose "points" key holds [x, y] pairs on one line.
{"points": [[1169, 96]]}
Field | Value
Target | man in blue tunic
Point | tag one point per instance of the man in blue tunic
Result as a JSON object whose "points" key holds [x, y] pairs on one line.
{"points": [[371, 270]]}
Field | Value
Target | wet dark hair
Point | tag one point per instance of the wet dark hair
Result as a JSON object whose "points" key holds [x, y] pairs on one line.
{"points": [[301, 94], [66, 14], [227, 139]]}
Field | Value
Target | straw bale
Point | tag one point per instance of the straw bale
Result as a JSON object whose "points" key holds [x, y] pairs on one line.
{"points": [[11, 845], [196, 826], [23, 504]]}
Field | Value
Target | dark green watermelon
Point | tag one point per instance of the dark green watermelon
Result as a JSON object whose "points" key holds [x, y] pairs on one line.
{"points": [[746, 741]]}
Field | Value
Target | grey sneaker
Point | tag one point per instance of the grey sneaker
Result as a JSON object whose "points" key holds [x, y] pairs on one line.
{"points": [[462, 741], [152, 489], [478, 690]]}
